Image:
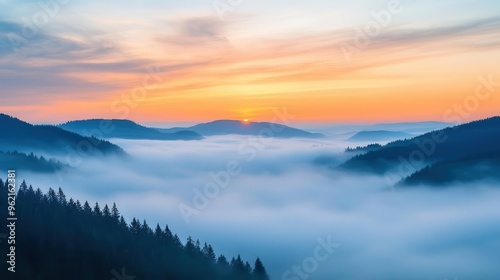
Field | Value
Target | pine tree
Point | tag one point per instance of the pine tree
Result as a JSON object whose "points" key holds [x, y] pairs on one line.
{"points": [[135, 227], [158, 232], [97, 210], [167, 233], [190, 247], [23, 190], [222, 261], [72, 204], [30, 194], [209, 253], [248, 268], [177, 241], [86, 208], [39, 195], [259, 271], [106, 213], [115, 214], [78, 205], [145, 229], [55, 230], [238, 265], [52, 197], [123, 223], [61, 197], [197, 247]]}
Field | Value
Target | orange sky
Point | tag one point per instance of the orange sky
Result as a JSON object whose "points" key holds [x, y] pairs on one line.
{"points": [[233, 69]]}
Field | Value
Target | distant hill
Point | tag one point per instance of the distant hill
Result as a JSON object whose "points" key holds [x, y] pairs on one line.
{"points": [[414, 128], [224, 127], [125, 129], [461, 144], [379, 135], [29, 162], [22, 136], [469, 169]]}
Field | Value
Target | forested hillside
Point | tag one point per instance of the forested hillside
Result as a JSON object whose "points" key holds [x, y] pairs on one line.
{"points": [[58, 238]]}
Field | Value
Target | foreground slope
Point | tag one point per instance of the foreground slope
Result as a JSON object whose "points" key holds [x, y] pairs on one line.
{"points": [[58, 238]]}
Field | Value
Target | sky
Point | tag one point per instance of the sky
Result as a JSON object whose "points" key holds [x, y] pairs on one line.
{"points": [[198, 60]]}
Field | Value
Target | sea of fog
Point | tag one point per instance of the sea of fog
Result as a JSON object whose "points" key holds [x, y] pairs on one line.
{"points": [[304, 220]]}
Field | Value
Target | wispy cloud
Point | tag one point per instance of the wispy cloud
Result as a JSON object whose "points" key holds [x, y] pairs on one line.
{"points": [[252, 61]]}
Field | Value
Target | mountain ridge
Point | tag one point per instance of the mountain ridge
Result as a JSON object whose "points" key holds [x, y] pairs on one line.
{"points": [[378, 135], [25, 137], [226, 127], [476, 139], [125, 129]]}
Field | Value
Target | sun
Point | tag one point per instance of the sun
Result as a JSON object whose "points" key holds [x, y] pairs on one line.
{"points": [[245, 120]]}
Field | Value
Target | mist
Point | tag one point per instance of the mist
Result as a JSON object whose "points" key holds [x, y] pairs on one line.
{"points": [[283, 203]]}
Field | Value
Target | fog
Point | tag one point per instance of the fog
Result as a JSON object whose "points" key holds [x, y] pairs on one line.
{"points": [[281, 205]]}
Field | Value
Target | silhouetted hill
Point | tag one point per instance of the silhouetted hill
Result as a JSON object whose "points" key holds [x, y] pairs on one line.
{"points": [[467, 140], [413, 127], [22, 136], [57, 238], [469, 169], [266, 129], [124, 129], [379, 135], [29, 162]]}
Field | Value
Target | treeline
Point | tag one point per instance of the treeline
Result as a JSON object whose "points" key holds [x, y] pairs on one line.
{"points": [[58, 238], [368, 148], [30, 162]]}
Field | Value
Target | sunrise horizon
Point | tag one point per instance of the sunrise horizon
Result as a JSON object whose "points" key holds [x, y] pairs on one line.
{"points": [[204, 62], [290, 122]]}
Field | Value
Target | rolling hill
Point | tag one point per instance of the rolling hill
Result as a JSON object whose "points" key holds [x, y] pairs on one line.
{"points": [[124, 129], [25, 137], [468, 169], [458, 147], [225, 127], [378, 135]]}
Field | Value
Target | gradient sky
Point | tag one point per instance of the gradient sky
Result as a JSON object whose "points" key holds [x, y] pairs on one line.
{"points": [[86, 58]]}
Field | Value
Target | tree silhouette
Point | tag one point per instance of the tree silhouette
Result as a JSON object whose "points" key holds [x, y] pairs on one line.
{"points": [[61, 239], [259, 271]]}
